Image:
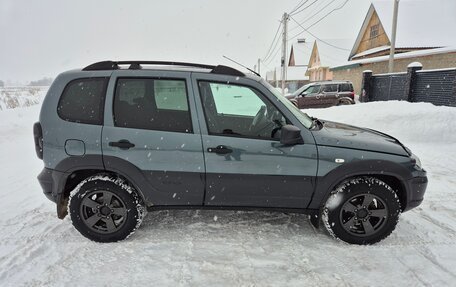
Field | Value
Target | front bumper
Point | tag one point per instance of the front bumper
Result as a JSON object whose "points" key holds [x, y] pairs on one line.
{"points": [[416, 187]]}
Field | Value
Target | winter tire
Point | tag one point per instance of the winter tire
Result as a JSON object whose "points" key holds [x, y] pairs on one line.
{"points": [[364, 210], [344, 102], [105, 209]]}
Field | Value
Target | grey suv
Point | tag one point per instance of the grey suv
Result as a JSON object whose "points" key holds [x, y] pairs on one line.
{"points": [[323, 94], [120, 138]]}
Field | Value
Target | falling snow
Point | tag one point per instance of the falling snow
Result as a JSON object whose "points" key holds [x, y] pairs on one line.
{"points": [[194, 248]]}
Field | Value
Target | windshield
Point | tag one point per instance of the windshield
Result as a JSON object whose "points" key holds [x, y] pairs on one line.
{"points": [[302, 117], [300, 90]]}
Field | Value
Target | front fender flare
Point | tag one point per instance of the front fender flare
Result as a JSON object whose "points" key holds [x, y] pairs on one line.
{"points": [[326, 184]]}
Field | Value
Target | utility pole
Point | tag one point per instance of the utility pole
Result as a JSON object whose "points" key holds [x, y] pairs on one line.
{"points": [[393, 37], [283, 60], [259, 66]]}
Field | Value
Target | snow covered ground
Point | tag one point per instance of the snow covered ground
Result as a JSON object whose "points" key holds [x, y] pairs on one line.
{"points": [[225, 248]]}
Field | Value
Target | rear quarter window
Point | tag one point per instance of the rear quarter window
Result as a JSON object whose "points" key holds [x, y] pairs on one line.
{"points": [[345, 87], [82, 101]]}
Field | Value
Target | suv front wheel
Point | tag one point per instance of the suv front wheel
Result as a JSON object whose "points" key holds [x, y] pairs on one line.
{"points": [[363, 210], [105, 208]]}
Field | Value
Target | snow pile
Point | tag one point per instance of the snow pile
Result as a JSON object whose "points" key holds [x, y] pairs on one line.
{"points": [[419, 122], [229, 248], [14, 97]]}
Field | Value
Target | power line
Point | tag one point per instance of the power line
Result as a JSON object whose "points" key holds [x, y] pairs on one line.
{"points": [[313, 24], [297, 12], [305, 30], [273, 55], [335, 9], [298, 6], [313, 14], [276, 46], [273, 40]]}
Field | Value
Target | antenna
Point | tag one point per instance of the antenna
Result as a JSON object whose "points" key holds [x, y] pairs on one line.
{"points": [[242, 65]]}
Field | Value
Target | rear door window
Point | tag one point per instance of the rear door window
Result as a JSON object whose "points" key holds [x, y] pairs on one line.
{"points": [[152, 104], [331, 88], [82, 101]]}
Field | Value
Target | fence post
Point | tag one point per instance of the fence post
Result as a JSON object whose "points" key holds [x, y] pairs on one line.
{"points": [[410, 80], [366, 86]]}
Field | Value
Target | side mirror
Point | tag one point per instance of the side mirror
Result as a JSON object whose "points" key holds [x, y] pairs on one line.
{"points": [[290, 135]]}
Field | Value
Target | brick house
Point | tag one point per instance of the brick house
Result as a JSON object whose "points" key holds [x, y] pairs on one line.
{"points": [[426, 33]]}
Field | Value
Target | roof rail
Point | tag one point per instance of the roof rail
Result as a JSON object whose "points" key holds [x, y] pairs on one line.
{"points": [[135, 65]]}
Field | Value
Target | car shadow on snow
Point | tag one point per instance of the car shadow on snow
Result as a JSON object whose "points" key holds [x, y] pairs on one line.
{"points": [[215, 224]]}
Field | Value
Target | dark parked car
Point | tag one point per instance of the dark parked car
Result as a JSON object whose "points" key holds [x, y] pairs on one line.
{"points": [[120, 138], [323, 94]]}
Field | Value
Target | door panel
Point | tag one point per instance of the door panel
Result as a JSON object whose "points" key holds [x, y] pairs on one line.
{"points": [[327, 100], [258, 173], [252, 169], [310, 97], [306, 101], [328, 96], [156, 117]]}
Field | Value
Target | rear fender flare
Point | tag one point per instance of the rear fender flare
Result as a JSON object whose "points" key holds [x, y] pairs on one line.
{"points": [[110, 164]]}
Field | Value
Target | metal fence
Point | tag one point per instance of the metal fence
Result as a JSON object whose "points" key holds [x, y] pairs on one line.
{"points": [[433, 86], [388, 87], [437, 87]]}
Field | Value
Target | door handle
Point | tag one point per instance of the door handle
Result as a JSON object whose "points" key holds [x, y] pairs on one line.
{"points": [[221, 149], [122, 144]]}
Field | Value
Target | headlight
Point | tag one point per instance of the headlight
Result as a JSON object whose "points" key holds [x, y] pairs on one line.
{"points": [[416, 160]]}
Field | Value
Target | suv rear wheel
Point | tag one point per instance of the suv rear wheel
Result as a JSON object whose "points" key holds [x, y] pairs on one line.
{"points": [[105, 208], [364, 210], [344, 102]]}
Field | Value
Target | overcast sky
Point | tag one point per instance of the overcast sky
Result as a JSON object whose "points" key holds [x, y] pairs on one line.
{"points": [[46, 37]]}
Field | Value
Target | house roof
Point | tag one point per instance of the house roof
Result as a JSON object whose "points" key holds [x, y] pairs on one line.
{"points": [[372, 51], [301, 53], [417, 53], [329, 54], [420, 24]]}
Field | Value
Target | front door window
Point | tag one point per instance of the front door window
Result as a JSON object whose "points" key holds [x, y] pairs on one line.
{"points": [[233, 110]]}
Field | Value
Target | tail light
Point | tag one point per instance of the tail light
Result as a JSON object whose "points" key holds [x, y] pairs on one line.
{"points": [[352, 95], [38, 136]]}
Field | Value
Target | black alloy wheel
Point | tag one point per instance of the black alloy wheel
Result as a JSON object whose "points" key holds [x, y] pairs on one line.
{"points": [[362, 210], [363, 214], [105, 208], [103, 211]]}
